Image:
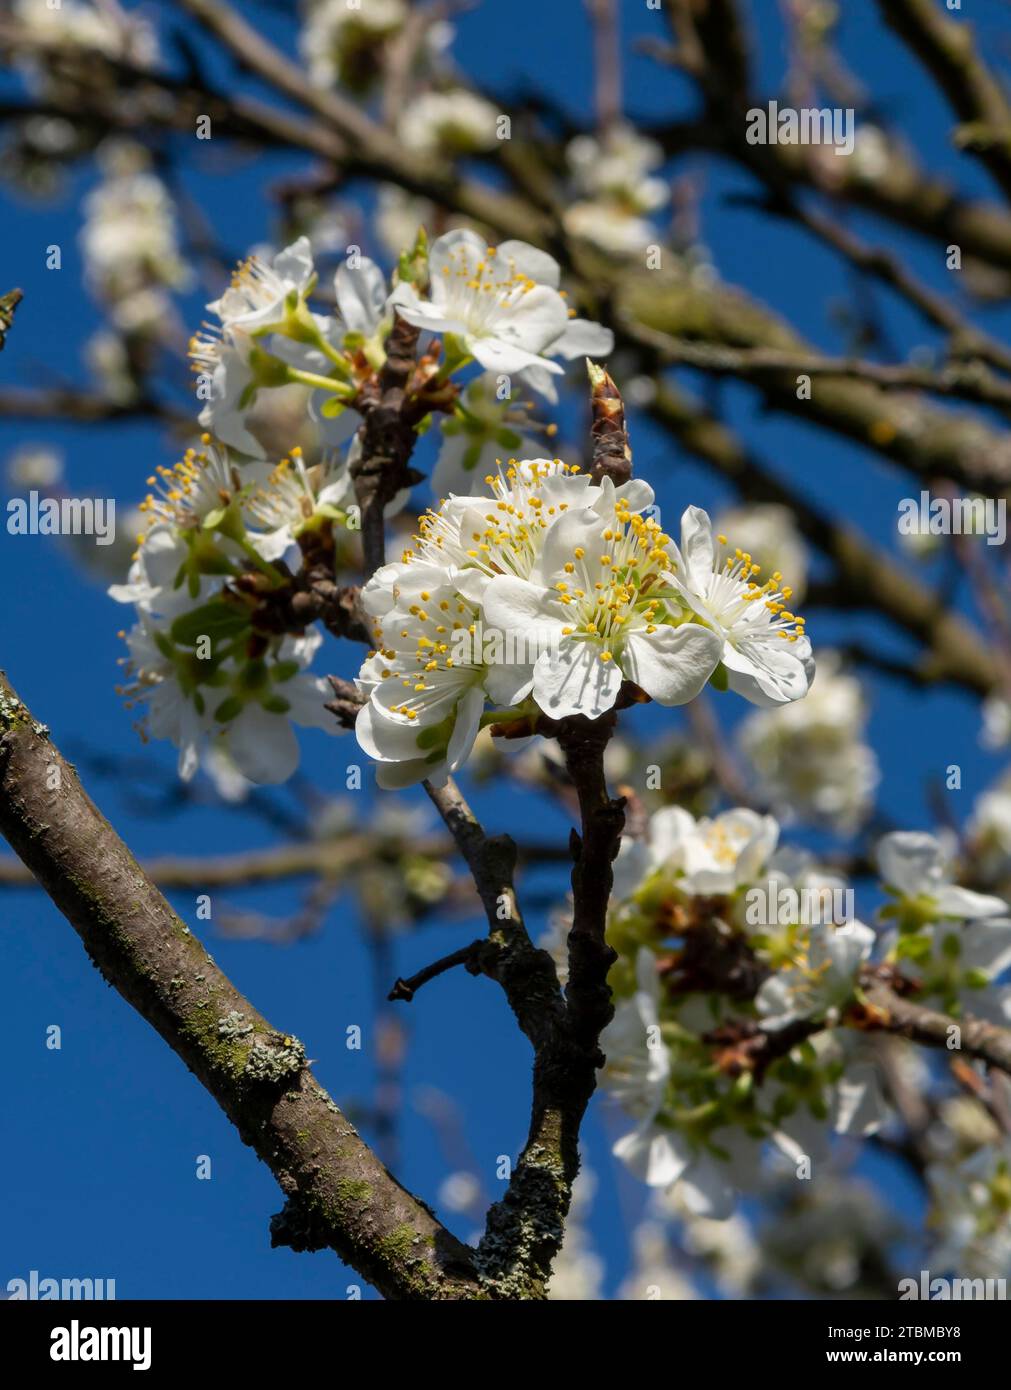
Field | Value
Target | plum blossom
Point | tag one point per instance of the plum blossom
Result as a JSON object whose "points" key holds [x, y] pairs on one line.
{"points": [[424, 701], [269, 338], [337, 37], [129, 241], [914, 868], [615, 186], [503, 304], [822, 977], [810, 755], [453, 122], [598, 603], [256, 298], [752, 619], [708, 856], [293, 497], [989, 834], [106, 27], [250, 719], [637, 1069]]}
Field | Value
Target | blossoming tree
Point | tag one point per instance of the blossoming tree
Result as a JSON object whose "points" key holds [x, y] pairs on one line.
{"points": [[409, 510]]}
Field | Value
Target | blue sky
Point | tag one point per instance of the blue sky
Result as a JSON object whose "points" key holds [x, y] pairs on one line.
{"points": [[102, 1136]]}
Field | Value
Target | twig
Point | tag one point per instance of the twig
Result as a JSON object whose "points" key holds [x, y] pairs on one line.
{"points": [[466, 956]]}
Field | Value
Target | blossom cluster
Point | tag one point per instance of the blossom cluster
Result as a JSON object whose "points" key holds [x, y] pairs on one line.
{"points": [[209, 656], [214, 682], [737, 976], [543, 598]]}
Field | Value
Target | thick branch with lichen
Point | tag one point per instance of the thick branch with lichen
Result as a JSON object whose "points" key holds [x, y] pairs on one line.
{"points": [[339, 1195]]}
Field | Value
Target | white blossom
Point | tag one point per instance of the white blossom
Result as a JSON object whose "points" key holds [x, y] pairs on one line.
{"points": [[597, 603], [821, 978], [615, 186], [503, 304], [637, 1068], [452, 122], [259, 739], [711, 856], [292, 497], [989, 833], [105, 27], [335, 34], [765, 651], [810, 755], [913, 866], [129, 240], [255, 299]]}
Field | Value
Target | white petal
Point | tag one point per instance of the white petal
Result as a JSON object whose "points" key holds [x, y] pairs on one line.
{"points": [[534, 321], [508, 685], [423, 314], [498, 355], [461, 242], [657, 1156], [583, 338], [671, 664], [986, 946], [953, 901], [361, 295], [294, 263], [263, 746], [542, 380], [706, 1188], [465, 730], [518, 606], [574, 680], [858, 1105], [528, 260], [383, 738], [574, 529], [697, 548], [910, 861], [764, 673], [307, 695]]}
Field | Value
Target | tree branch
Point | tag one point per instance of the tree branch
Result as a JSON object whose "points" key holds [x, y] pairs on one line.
{"points": [[922, 1024], [339, 1194], [525, 1229]]}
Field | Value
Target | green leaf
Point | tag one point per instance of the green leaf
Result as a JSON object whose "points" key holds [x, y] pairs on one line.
{"points": [[718, 680], [217, 620], [228, 710]]}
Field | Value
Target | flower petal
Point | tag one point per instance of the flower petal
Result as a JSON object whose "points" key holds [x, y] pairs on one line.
{"points": [[263, 746], [671, 664], [574, 680]]}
